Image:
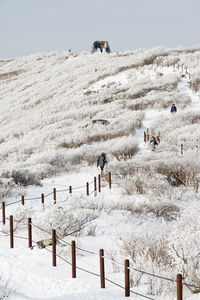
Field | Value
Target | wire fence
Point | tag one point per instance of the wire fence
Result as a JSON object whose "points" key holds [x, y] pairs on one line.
{"points": [[55, 191], [101, 255], [53, 252], [109, 182]]}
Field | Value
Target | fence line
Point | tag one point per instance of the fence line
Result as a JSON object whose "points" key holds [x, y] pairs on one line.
{"points": [[91, 252], [54, 254], [66, 190], [153, 275], [42, 197], [191, 285], [88, 251]]}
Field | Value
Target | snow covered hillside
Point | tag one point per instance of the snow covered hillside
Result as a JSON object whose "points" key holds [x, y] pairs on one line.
{"points": [[59, 111], [49, 104]]}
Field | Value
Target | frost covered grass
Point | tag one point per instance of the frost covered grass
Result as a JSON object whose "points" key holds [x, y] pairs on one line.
{"points": [[167, 251], [63, 219], [160, 101], [50, 100], [61, 110], [156, 174]]}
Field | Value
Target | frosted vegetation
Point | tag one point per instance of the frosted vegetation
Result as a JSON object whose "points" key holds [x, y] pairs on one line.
{"points": [[59, 111]]}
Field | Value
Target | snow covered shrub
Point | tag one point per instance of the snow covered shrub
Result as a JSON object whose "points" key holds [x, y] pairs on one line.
{"points": [[184, 245], [64, 219], [90, 230], [140, 88], [24, 178], [196, 78], [6, 186], [158, 208], [124, 148], [166, 250], [20, 216], [179, 128], [8, 75], [147, 252], [149, 183], [58, 161], [160, 100], [121, 148], [180, 170], [122, 169]]}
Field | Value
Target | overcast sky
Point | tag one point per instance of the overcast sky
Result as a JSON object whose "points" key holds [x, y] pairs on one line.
{"points": [[30, 26]]}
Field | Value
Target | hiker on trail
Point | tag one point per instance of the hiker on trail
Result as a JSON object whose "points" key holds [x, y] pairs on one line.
{"points": [[101, 161], [173, 109], [153, 143]]}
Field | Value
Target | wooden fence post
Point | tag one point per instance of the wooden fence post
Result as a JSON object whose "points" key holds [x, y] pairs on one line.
{"points": [[22, 200], [127, 279], [87, 188], [179, 287], [109, 180], [158, 139], [11, 232], [73, 244], [95, 186], [54, 248], [147, 134], [99, 183], [145, 137], [42, 198], [181, 149], [102, 268], [54, 195], [70, 189], [3, 212], [29, 233]]}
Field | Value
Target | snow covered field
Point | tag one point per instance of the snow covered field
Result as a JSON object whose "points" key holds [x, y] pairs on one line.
{"points": [[148, 216]]}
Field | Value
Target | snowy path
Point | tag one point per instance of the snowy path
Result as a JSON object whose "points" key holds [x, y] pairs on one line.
{"points": [[151, 114]]}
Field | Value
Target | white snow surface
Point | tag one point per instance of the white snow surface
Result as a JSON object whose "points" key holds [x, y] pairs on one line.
{"points": [[28, 274]]}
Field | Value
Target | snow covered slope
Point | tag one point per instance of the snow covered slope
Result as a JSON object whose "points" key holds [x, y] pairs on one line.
{"points": [[52, 107], [50, 100]]}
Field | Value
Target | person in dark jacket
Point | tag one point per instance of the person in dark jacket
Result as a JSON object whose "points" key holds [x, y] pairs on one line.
{"points": [[153, 143], [173, 108], [101, 161]]}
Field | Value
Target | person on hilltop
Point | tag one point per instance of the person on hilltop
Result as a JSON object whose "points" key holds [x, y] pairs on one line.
{"points": [[101, 161], [173, 109], [153, 143], [101, 48]]}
